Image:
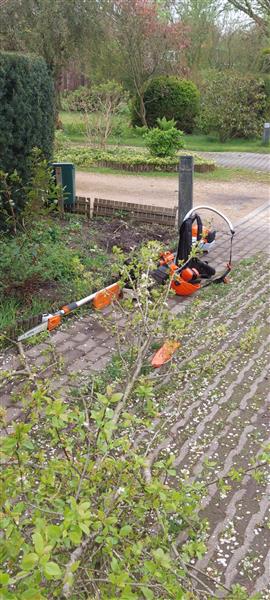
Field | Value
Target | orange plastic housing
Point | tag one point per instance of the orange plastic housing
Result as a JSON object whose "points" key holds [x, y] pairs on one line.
{"points": [[53, 322], [165, 353], [184, 288], [166, 258], [107, 296]]}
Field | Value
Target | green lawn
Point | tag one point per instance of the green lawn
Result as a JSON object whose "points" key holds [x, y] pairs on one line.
{"points": [[211, 143], [74, 129]]}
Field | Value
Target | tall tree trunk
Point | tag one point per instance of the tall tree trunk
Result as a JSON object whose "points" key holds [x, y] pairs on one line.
{"points": [[142, 110], [57, 92]]}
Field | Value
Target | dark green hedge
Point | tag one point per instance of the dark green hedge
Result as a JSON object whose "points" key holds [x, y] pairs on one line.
{"points": [[26, 110], [169, 97]]}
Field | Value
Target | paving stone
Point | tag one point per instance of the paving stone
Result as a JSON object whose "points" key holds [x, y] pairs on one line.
{"points": [[68, 345], [106, 311], [13, 414], [81, 364], [177, 309], [100, 351], [61, 383], [101, 363], [95, 354], [86, 334], [81, 337], [60, 336], [88, 345], [41, 360], [9, 362], [33, 352], [102, 336], [5, 400], [70, 357]]}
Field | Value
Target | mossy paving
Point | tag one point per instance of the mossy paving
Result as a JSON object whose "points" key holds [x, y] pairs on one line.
{"points": [[235, 434], [226, 411], [238, 446], [195, 382]]}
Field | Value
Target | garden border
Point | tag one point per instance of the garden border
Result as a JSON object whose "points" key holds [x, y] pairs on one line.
{"points": [[100, 208], [103, 207], [206, 167]]}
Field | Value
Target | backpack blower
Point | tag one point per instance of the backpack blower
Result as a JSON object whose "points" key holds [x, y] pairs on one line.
{"points": [[188, 272]]}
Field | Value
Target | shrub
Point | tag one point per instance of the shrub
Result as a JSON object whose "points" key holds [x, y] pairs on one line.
{"points": [[169, 97], [233, 105], [266, 80], [26, 111], [264, 61], [164, 142], [108, 100], [88, 99], [78, 100], [40, 193]]}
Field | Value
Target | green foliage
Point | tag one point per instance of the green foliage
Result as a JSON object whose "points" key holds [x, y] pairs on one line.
{"points": [[233, 105], [78, 100], [169, 97], [165, 124], [120, 159], [39, 270], [266, 79], [264, 61], [87, 511], [38, 264], [108, 101], [40, 194], [164, 140], [26, 111], [88, 99]]}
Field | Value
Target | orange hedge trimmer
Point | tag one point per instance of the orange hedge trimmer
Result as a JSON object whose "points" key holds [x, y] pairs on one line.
{"points": [[99, 300]]}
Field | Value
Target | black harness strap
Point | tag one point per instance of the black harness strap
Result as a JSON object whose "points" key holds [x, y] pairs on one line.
{"points": [[185, 237]]}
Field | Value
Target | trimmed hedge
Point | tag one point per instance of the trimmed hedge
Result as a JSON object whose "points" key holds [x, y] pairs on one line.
{"points": [[26, 111], [131, 161], [169, 97]]}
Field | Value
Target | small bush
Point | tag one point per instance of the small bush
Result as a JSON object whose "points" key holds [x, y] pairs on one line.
{"points": [[86, 99], [169, 97], [164, 142], [234, 106], [78, 100]]}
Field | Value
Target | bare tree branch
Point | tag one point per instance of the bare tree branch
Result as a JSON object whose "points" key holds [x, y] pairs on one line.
{"points": [[257, 10]]}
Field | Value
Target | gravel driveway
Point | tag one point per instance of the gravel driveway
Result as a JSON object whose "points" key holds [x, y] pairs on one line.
{"points": [[236, 198]]}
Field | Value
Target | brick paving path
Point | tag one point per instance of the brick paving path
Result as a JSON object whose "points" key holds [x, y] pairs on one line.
{"points": [[227, 422], [242, 160]]}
